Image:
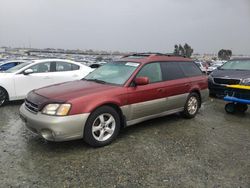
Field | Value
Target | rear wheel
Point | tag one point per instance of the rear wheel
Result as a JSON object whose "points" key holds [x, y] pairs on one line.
{"points": [[192, 106], [3, 96], [102, 127]]}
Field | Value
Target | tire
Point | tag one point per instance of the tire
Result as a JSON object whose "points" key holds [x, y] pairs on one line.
{"points": [[230, 108], [192, 106], [242, 108], [3, 96], [102, 127]]}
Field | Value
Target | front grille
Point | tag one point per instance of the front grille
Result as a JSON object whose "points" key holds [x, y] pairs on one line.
{"points": [[31, 106], [226, 81]]}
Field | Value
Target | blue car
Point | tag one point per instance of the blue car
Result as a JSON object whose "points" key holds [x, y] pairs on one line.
{"points": [[5, 65]]}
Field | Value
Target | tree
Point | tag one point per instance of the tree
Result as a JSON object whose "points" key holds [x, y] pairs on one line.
{"points": [[188, 50], [185, 50], [224, 54], [176, 49]]}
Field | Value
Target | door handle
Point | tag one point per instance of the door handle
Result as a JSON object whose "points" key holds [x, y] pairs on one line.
{"points": [[46, 77], [160, 90]]}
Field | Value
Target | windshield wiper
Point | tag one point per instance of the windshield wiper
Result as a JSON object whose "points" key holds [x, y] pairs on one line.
{"points": [[96, 80]]}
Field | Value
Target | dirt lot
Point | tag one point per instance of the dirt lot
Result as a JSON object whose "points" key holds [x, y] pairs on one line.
{"points": [[212, 150]]}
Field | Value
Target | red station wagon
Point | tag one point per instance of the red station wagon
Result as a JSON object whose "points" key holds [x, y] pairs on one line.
{"points": [[133, 89]]}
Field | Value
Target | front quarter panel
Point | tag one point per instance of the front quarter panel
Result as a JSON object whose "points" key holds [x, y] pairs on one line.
{"points": [[88, 104]]}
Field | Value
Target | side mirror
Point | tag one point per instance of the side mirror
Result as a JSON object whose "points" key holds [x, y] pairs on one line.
{"points": [[28, 71], [141, 81]]}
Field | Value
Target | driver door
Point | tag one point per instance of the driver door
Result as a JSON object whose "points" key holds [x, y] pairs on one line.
{"points": [[40, 77], [147, 100]]}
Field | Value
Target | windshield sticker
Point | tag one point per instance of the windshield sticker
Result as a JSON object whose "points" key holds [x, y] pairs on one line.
{"points": [[132, 64]]}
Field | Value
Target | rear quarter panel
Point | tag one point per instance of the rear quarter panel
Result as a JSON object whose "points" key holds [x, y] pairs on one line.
{"points": [[199, 84]]}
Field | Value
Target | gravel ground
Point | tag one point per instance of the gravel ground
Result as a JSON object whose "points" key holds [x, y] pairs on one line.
{"points": [[211, 150]]}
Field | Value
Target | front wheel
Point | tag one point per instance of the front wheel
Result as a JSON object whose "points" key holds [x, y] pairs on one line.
{"points": [[230, 108], [3, 96], [192, 106], [102, 127]]}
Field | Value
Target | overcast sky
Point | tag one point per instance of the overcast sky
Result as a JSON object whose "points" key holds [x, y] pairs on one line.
{"points": [[127, 25]]}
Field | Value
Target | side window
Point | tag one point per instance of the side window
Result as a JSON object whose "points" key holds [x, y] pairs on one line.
{"points": [[152, 71], [190, 69], [64, 66], [75, 67], [172, 71], [41, 67]]}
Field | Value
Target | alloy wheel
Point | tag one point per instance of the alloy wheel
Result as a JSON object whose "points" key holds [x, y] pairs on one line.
{"points": [[192, 106], [103, 127]]}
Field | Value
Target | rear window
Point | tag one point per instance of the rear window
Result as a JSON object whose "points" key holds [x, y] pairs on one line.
{"points": [[65, 66], [172, 71], [190, 69]]}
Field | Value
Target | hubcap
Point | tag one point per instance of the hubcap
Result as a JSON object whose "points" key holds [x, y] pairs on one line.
{"points": [[192, 105], [103, 127]]}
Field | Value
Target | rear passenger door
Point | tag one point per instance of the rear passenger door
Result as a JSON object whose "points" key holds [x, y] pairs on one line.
{"points": [[176, 85], [146, 100], [65, 71]]}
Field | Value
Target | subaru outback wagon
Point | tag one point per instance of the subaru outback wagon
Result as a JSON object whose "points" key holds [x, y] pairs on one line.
{"points": [[133, 89]]}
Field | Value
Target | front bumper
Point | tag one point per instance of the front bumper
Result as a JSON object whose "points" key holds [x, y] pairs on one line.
{"points": [[217, 90], [54, 128]]}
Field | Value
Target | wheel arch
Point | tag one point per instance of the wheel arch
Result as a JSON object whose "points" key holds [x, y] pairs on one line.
{"points": [[117, 108], [1, 87], [198, 93]]}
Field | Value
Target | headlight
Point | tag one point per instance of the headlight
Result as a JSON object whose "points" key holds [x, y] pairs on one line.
{"points": [[210, 78], [246, 81], [56, 109]]}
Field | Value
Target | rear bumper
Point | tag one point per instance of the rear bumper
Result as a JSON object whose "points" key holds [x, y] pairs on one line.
{"points": [[54, 128]]}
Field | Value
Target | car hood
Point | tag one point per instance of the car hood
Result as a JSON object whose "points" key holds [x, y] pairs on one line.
{"points": [[69, 90], [231, 74]]}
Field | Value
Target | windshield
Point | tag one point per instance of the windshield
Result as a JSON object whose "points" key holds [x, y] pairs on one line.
{"points": [[113, 73], [236, 65], [18, 67]]}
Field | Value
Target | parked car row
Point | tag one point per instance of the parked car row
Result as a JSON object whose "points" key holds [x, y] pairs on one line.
{"points": [[68, 100], [207, 68]]}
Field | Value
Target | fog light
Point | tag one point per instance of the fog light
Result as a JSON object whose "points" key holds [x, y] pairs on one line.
{"points": [[47, 134]]}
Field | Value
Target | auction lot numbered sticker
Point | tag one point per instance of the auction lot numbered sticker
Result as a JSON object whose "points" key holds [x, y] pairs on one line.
{"points": [[132, 64]]}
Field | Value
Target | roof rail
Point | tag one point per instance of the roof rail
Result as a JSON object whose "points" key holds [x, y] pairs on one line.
{"points": [[148, 54]]}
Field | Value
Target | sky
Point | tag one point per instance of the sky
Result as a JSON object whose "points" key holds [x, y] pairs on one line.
{"points": [[127, 25]]}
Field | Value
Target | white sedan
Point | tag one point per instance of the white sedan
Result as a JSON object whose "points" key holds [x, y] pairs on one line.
{"points": [[16, 82]]}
